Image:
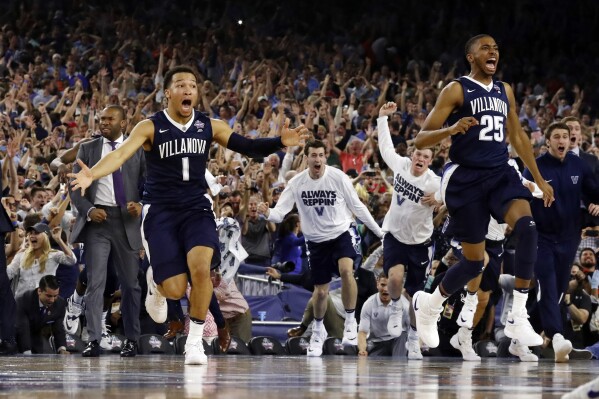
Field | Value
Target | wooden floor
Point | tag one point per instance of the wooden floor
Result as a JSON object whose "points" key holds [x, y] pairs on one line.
{"points": [[165, 377]]}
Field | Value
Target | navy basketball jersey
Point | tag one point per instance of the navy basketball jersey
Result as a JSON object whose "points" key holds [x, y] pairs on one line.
{"points": [[176, 164], [483, 145]]}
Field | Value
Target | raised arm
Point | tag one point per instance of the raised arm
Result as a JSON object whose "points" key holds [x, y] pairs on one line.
{"points": [[386, 147]]}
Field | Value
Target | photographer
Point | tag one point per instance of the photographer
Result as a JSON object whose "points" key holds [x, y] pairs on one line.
{"points": [[289, 244], [588, 267], [576, 307]]}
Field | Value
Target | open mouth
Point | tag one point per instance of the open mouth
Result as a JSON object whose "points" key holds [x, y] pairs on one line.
{"points": [[186, 104], [318, 167], [491, 64], [419, 165]]}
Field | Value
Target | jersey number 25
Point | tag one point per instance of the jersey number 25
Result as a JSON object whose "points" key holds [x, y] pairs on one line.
{"points": [[492, 128]]}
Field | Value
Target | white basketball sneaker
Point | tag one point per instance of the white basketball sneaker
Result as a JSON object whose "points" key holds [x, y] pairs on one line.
{"points": [[522, 351], [518, 327], [462, 341], [350, 332], [316, 342], [194, 351], [562, 348], [466, 317], [155, 302], [394, 325], [71, 317], [426, 319]]}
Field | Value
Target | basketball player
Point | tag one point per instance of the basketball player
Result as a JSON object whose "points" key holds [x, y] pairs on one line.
{"points": [[178, 225], [408, 226], [478, 111], [325, 200]]}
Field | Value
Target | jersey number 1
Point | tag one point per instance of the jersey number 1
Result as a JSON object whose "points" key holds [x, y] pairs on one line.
{"points": [[492, 128], [185, 168]]}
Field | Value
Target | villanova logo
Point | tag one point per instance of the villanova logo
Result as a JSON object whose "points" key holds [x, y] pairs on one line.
{"points": [[574, 179]]}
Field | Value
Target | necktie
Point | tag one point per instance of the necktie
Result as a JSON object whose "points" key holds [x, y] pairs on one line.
{"points": [[117, 182]]}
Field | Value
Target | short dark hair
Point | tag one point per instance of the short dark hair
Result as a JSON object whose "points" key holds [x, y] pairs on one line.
{"points": [[48, 281], [555, 125], [586, 249], [119, 109], [178, 69], [472, 40], [314, 144]]}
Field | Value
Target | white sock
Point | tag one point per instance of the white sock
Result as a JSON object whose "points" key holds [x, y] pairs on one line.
{"points": [[318, 325], [436, 299], [350, 316], [77, 298], [412, 334], [519, 304], [471, 298], [196, 330]]}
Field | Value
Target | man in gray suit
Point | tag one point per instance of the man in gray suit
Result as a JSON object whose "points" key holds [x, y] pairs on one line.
{"points": [[109, 223]]}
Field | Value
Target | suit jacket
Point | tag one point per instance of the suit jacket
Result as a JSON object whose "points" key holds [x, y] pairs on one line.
{"points": [[133, 170], [30, 321], [591, 160]]}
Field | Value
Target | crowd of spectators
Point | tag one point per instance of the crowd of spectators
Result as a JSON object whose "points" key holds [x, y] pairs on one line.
{"points": [[330, 69]]}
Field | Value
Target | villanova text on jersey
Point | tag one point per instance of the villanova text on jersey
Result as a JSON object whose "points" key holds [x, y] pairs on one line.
{"points": [[483, 145], [176, 164], [406, 190]]}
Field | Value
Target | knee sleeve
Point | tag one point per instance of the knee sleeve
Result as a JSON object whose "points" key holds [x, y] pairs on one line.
{"points": [[459, 274], [525, 232]]}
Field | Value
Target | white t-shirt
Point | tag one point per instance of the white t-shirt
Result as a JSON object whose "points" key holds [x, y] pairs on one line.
{"points": [[408, 219], [325, 205]]}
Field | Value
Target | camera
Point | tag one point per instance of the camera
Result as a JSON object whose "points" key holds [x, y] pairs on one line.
{"points": [[284, 267], [591, 233]]}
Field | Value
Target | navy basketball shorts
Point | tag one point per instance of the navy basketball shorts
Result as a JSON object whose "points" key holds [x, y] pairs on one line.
{"points": [[415, 258], [473, 195], [170, 233], [323, 257]]}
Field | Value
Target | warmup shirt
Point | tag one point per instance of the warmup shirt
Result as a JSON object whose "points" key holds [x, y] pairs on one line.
{"points": [[408, 219], [325, 205]]}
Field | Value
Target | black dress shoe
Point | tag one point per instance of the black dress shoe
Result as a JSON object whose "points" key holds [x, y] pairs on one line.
{"points": [[129, 348], [92, 349], [8, 348]]}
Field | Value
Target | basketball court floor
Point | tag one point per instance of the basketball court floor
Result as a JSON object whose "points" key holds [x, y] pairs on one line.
{"points": [[264, 377]]}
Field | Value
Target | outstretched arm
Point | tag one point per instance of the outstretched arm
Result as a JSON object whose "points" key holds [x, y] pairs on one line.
{"points": [[258, 147], [142, 133]]}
